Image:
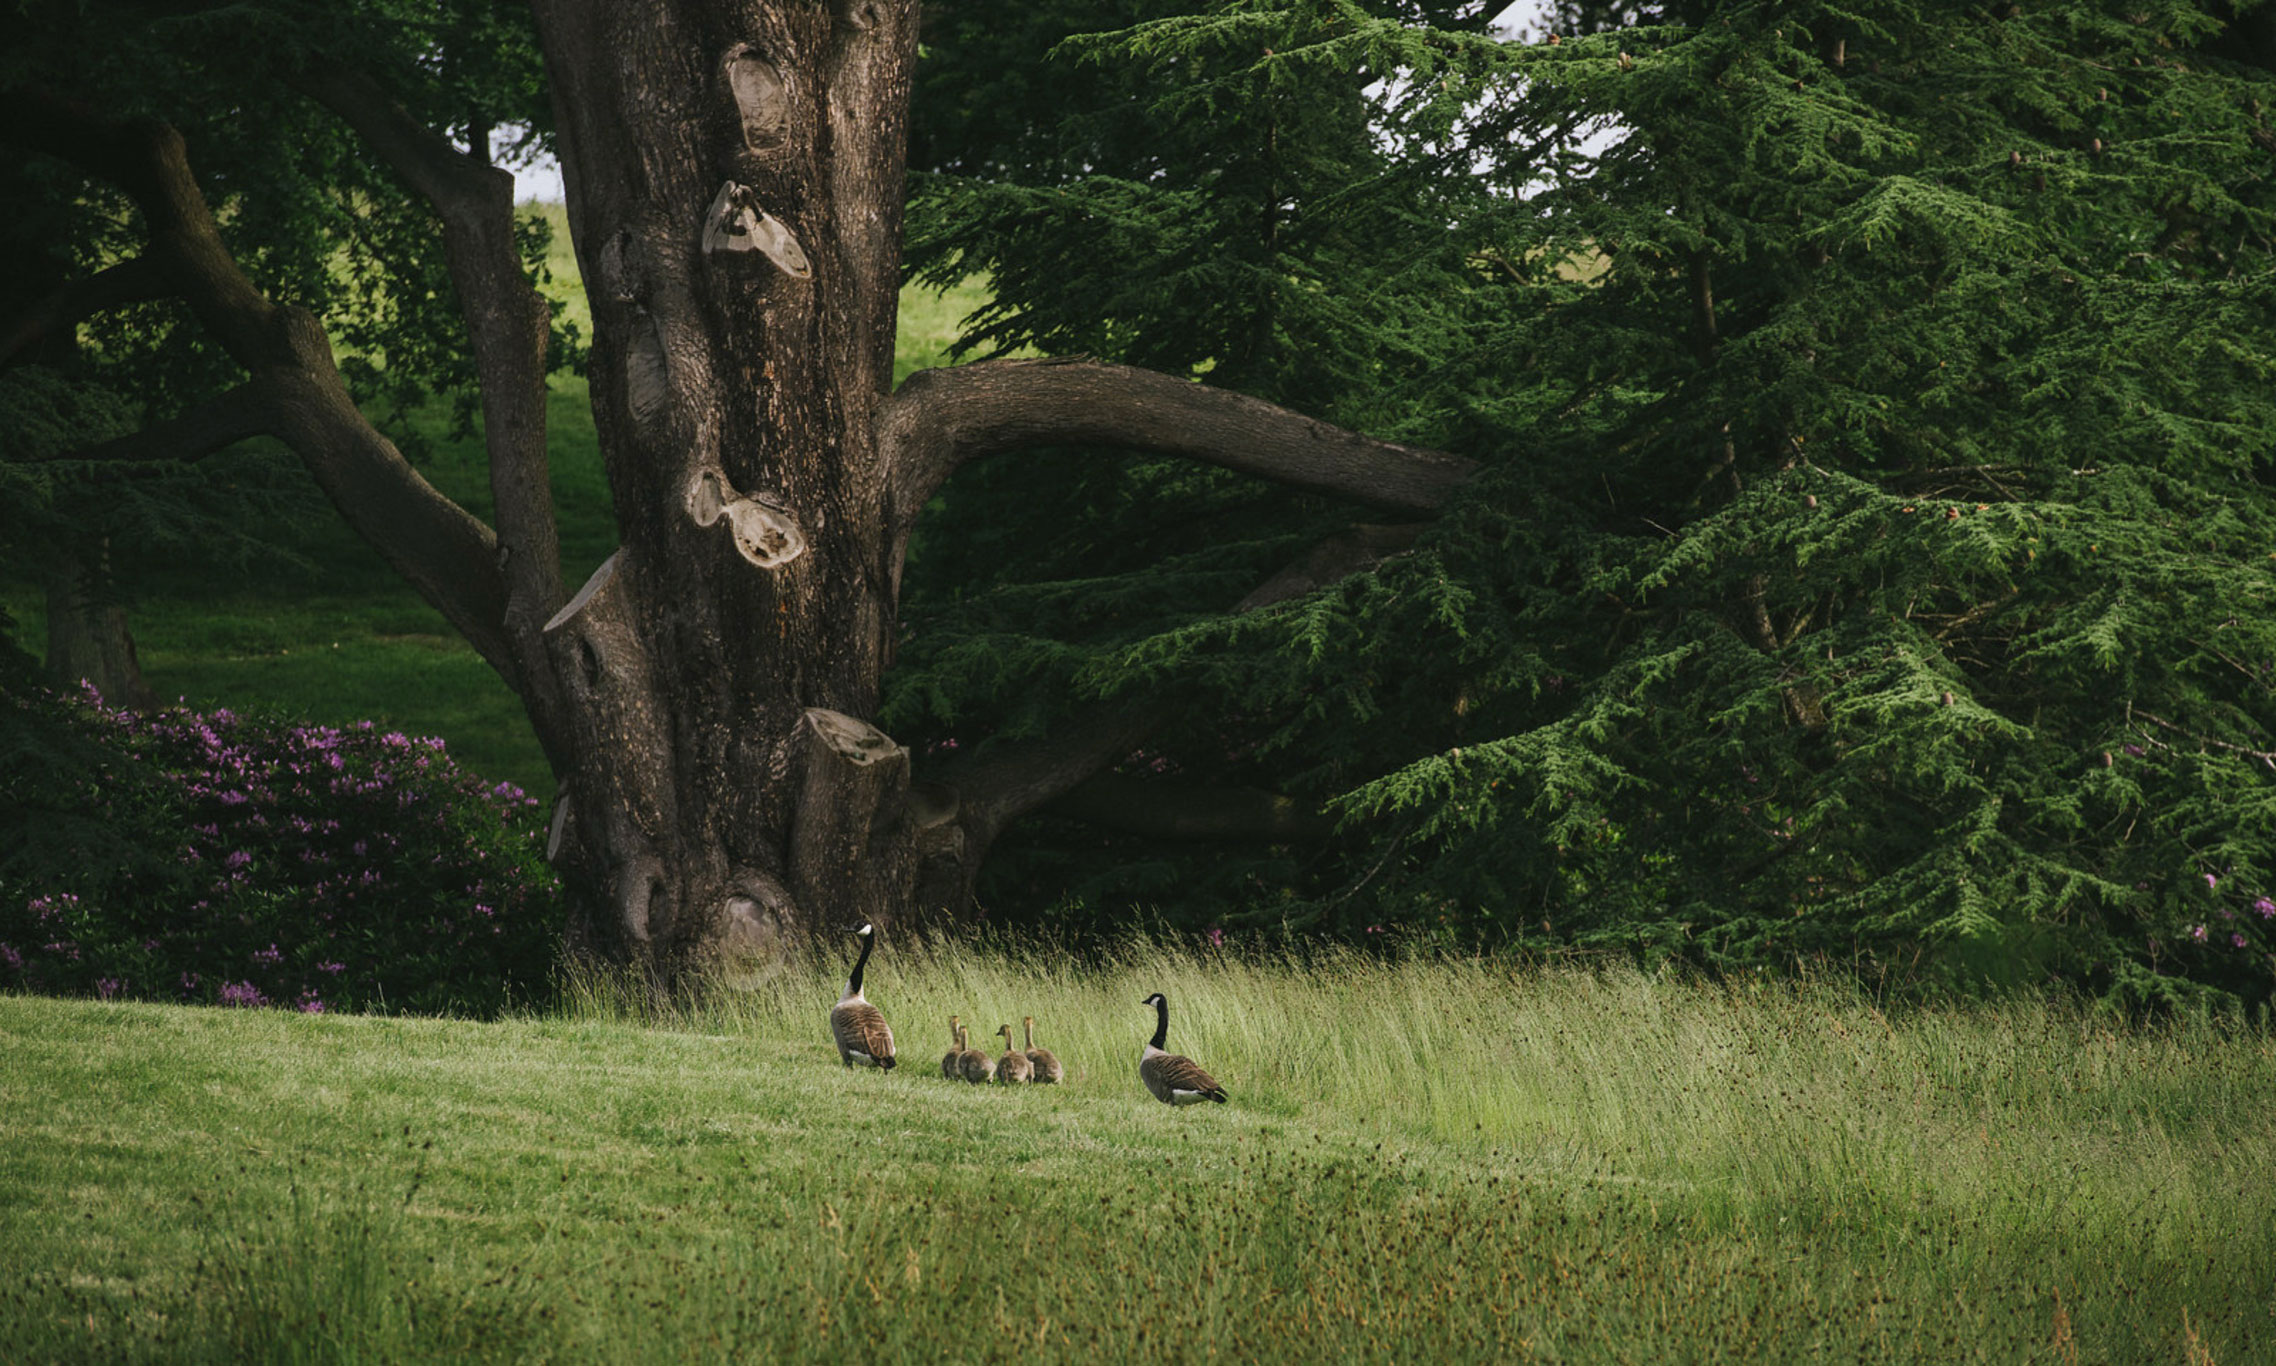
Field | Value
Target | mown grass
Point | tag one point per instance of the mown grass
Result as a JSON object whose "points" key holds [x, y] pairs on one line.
{"points": [[1422, 1161], [340, 638]]}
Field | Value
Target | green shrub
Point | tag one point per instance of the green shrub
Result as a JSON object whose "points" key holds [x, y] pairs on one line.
{"points": [[268, 864]]}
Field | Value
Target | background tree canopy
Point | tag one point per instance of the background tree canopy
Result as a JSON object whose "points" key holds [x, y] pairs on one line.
{"points": [[97, 344], [1876, 556]]}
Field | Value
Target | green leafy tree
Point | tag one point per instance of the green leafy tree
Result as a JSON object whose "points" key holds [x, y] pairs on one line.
{"points": [[1875, 552], [91, 318]]}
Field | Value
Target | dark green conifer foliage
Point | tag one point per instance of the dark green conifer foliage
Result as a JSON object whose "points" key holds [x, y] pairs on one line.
{"points": [[1127, 207], [1876, 556]]}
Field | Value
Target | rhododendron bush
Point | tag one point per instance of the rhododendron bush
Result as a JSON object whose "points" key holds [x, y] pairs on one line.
{"points": [[301, 866]]}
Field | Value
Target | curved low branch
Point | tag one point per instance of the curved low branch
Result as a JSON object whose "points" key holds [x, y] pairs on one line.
{"points": [[444, 552], [247, 410], [131, 281], [941, 418]]}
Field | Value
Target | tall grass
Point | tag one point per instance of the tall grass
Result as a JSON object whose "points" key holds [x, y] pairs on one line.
{"points": [[1422, 1161], [1758, 1102]]}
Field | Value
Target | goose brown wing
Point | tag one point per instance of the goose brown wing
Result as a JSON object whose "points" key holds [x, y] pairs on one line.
{"points": [[860, 1028], [1168, 1073]]}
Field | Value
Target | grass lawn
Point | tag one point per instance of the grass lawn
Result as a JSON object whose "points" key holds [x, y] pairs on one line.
{"points": [[343, 639], [1425, 1162]]}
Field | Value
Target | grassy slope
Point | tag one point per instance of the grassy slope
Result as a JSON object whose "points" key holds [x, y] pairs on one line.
{"points": [[345, 640], [1421, 1162]]}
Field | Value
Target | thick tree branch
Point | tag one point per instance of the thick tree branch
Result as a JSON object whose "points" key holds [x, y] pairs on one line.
{"points": [[455, 183], [244, 411], [149, 161], [446, 554], [1015, 777], [1066, 770], [1167, 809], [1340, 556], [128, 282], [509, 326], [941, 418]]}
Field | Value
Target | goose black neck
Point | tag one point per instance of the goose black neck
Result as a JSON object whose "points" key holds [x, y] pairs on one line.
{"points": [[1161, 1022], [853, 983]]}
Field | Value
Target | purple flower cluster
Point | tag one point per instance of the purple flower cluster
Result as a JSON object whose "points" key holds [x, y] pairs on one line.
{"points": [[2236, 930], [298, 866], [242, 994]]}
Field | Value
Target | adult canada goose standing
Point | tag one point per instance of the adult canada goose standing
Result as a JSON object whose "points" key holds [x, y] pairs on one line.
{"points": [[1174, 1080], [952, 1062], [1013, 1067], [1045, 1063], [860, 1031]]}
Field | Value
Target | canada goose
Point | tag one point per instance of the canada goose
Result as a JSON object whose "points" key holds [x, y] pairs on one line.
{"points": [[1043, 1060], [952, 1062], [972, 1064], [1013, 1067], [861, 1032], [1174, 1080]]}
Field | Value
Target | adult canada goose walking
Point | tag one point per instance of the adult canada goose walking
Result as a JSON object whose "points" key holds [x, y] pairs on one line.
{"points": [[1045, 1063], [860, 1031], [952, 1062], [1013, 1067], [1173, 1079]]}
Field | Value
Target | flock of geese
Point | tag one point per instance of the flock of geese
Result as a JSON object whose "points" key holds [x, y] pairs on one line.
{"points": [[863, 1037]]}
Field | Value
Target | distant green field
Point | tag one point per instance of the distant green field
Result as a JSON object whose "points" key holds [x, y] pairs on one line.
{"points": [[346, 640], [1420, 1162]]}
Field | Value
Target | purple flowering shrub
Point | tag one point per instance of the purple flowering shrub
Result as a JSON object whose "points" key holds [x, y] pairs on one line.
{"points": [[2224, 936], [304, 867]]}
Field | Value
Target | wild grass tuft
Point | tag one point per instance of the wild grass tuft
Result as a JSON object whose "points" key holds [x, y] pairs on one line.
{"points": [[1441, 1160]]}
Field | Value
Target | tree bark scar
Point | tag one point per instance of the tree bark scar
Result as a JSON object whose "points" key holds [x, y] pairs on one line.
{"points": [[765, 532], [859, 742], [707, 502], [647, 377], [737, 230], [556, 828], [761, 96], [765, 537]]}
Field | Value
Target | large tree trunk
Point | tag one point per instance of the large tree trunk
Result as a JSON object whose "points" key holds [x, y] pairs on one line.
{"points": [[734, 175], [88, 641]]}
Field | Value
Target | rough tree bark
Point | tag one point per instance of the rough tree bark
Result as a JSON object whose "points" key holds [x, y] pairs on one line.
{"points": [[734, 172]]}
